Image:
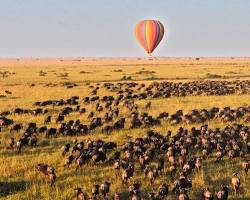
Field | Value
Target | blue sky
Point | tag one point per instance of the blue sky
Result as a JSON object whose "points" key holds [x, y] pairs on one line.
{"points": [[105, 28]]}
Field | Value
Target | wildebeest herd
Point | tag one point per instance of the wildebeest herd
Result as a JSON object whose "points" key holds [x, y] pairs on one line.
{"points": [[177, 155]]}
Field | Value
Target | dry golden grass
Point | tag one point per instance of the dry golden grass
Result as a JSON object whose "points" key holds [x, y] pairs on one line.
{"points": [[18, 177]]}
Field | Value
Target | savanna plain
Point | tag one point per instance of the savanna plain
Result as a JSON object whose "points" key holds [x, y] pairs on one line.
{"points": [[164, 95]]}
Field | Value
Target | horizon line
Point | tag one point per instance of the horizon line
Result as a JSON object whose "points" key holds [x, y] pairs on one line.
{"points": [[119, 57]]}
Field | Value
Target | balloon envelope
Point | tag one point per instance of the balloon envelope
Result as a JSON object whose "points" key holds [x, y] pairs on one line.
{"points": [[149, 33]]}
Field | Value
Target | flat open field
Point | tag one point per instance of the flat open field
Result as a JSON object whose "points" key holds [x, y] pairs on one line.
{"points": [[138, 86]]}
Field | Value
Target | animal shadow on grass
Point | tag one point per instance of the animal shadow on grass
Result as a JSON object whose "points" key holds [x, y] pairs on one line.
{"points": [[7, 188], [13, 97], [124, 195]]}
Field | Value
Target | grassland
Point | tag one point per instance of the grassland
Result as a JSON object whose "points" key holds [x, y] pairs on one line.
{"points": [[38, 80]]}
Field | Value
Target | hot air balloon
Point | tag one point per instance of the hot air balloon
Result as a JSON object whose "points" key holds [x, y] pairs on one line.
{"points": [[149, 33]]}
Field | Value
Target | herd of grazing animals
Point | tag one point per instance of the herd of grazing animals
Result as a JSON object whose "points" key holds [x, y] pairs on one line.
{"points": [[179, 155]]}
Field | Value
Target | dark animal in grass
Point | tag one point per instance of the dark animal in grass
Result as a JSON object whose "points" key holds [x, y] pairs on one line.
{"points": [[245, 165], [135, 122], [183, 195], [91, 114], [222, 194], [104, 189], [20, 143], [235, 181], [207, 194], [16, 127], [52, 176], [42, 129], [148, 105], [80, 160], [152, 196], [98, 156], [33, 140], [47, 120], [151, 174], [160, 164], [86, 100], [134, 188], [163, 115], [117, 196], [127, 174], [198, 163], [181, 184], [95, 191], [107, 129], [143, 162], [109, 145], [39, 111], [134, 191], [18, 111], [77, 109], [82, 111], [69, 161], [59, 119], [78, 146], [42, 168], [231, 154], [172, 170], [95, 122], [163, 191], [114, 157], [119, 124], [80, 195], [51, 132], [5, 113], [136, 197], [219, 155], [47, 171], [117, 166], [5, 121], [31, 127], [65, 149], [8, 92]]}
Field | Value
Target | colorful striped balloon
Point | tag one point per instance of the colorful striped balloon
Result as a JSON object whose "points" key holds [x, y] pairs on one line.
{"points": [[149, 33]]}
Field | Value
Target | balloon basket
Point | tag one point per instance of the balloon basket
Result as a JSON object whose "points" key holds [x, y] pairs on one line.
{"points": [[151, 57]]}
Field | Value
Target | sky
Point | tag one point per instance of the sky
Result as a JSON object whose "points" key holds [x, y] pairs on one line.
{"points": [[105, 28]]}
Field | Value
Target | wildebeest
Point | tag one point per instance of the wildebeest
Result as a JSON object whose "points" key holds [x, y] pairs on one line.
{"points": [[95, 191], [235, 181], [104, 189], [51, 132], [117, 196], [69, 160], [182, 184], [245, 166], [207, 194], [33, 140], [60, 118], [47, 119], [222, 194], [5, 121], [16, 127], [183, 195], [65, 148], [42, 168], [80, 195], [52, 176]]}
